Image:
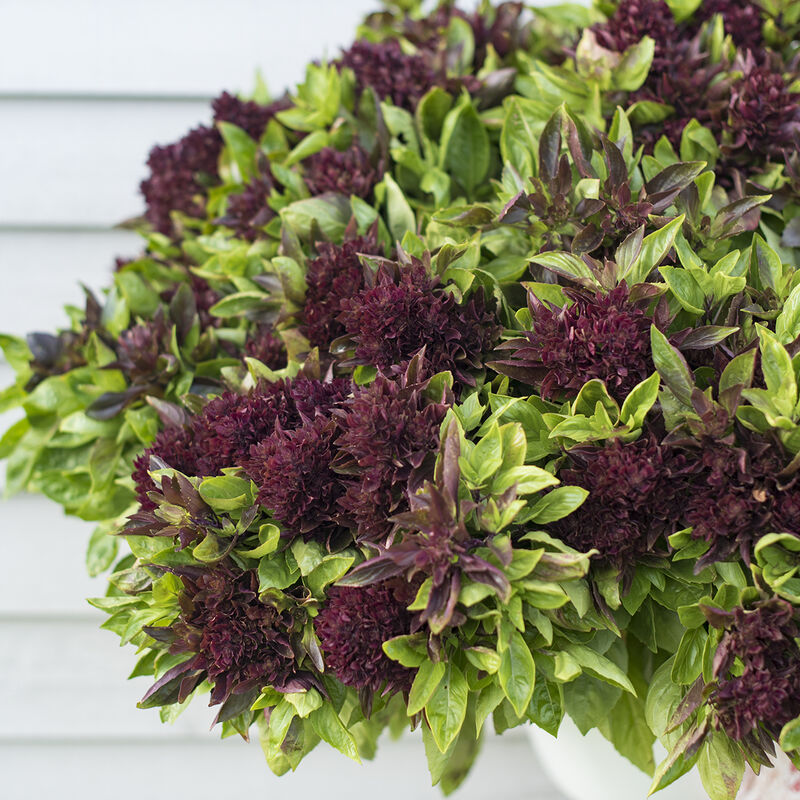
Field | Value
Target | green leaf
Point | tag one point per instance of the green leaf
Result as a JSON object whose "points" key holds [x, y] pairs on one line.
{"points": [[487, 455], [790, 735], [569, 265], [738, 371], [686, 290], [240, 303], [557, 504], [626, 728], [242, 149], [526, 479], [269, 537], [672, 366], [517, 673], [465, 145], [274, 572], [600, 666], [328, 571], [407, 650], [654, 248], [546, 708], [447, 706], [765, 265], [587, 701], [226, 492], [776, 364], [484, 658], [331, 212], [101, 552], [330, 729], [398, 211], [688, 662], [639, 402], [787, 325], [304, 702], [431, 112], [449, 769], [721, 767], [307, 146], [307, 554], [634, 65], [426, 680]]}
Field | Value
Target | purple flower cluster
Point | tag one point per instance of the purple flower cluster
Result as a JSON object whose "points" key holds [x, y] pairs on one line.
{"points": [[389, 435], [333, 277], [241, 644], [602, 336], [181, 172], [265, 345], [352, 627], [178, 175], [735, 497], [402, 309], [247, 212], [251, 117], [348, 172], [741, 18], [635, 19], [224, 432], [632, 491], [764, 692], [389, 72], [295, 481], [763, 115]]}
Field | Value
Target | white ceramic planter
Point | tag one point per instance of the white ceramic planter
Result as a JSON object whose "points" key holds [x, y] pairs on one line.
{"points": [[589, 768]]}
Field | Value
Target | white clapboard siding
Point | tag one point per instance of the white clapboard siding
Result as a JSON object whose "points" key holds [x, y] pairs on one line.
{"points": [[175, 48], [41, 271], [86, 88], [90, 154], [231, 769]]}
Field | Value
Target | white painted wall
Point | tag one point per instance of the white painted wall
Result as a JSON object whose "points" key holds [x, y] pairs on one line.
{"points": [[86, 88]]}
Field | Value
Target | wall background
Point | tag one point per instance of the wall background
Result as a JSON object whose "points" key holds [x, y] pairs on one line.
{"points": [[86, 88]]}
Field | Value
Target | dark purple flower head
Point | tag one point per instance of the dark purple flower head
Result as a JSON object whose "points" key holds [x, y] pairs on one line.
{"points": [[741, 18], [635, 19], [143, 352], [436, 543], [230, 424], [689, 85], [266, 346], [352, 627], [763, 115], [173, 446], [348, 172], [403, 310], [251, 117], [602, 336], [295, 481], [629, 508], [179, 173], [334, 275], [242, 644], [736, 497], [248, 212], [765, 691], [314, 398], [389, 72], [224, 432], [390, 433]]}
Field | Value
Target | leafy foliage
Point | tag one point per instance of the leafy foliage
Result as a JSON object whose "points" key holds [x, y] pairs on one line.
{"points": [[460, 381]]}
